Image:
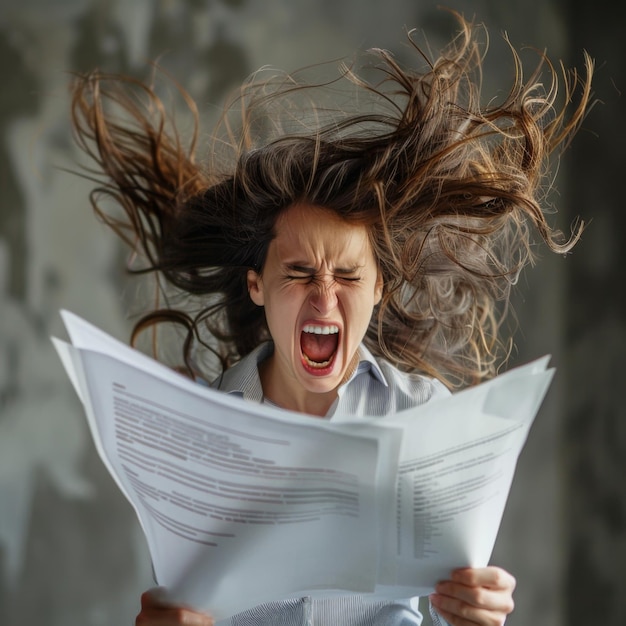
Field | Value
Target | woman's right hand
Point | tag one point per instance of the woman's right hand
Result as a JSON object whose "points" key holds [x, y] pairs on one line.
{"points": [[155, 612]]}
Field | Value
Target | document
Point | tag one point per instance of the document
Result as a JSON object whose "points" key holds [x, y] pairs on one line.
{"points": [[244, 503]]}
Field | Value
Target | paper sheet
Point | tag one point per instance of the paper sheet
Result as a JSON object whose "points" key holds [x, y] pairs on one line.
{"points": [[244, 503]]}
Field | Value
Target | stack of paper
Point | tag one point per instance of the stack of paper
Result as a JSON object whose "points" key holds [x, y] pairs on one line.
{"points": [[243, 503]]}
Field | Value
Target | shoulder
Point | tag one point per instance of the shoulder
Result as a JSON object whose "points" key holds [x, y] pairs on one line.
{"points": [[243, 377], [411, 388], [379, 388]]}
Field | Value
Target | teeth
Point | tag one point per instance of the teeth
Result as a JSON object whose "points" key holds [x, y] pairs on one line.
{"points": [[321, 330], [314, 364]]}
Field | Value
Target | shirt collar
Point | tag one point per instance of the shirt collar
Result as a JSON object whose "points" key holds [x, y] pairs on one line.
{"points": [[367, 363]]}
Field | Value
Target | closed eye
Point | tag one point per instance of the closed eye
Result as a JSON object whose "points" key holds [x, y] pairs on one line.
{"points": [[350, 275], [297, 272], [312, 278], [300, 277]]}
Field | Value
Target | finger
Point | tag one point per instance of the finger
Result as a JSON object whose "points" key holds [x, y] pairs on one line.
{"points": [[480, 597], [155, 611], [172, 616], [492, 577], [459, 613], [153, 598]]}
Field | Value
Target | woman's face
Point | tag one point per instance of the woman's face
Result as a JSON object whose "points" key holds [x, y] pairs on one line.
{"points": [[319, 285]]}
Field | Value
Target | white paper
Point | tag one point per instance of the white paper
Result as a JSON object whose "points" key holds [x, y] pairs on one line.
{"points": [[455, 470], [244, 503]]}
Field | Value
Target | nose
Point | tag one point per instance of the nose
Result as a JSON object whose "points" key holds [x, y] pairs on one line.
{"points": [[323, 296]]}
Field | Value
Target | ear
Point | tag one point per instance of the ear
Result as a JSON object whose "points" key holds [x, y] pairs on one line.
{"points": [[255, 287], [378, 288]]}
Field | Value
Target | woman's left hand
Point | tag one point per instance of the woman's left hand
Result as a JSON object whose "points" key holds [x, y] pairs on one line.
{"points": [[474, 596]]}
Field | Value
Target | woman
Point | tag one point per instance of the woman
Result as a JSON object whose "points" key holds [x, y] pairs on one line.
{"points": [[336, 260]]}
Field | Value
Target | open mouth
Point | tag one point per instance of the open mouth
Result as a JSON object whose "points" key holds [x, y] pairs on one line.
{"points": [[319, 345]]}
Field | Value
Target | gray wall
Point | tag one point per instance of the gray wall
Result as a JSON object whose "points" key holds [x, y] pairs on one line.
{"points": [[71, 553]]}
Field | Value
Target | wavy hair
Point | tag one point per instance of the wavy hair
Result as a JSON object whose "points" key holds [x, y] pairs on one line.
{"points": [[450, 189]]}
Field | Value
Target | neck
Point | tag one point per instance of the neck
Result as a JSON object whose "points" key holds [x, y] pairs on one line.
{"points": [[300, 400]]}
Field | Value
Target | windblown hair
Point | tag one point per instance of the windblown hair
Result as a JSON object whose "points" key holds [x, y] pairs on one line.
{"points": [[451, 191]]}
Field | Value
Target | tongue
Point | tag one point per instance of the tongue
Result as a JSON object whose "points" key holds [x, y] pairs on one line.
{"points": [[318, 348]]}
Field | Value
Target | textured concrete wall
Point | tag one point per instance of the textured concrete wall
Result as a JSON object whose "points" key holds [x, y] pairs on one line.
{"points": [[71, 552], [594, 428]]}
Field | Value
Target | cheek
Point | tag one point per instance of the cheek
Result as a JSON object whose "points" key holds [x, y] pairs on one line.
{"points": [[283, 306], [359, 307]]}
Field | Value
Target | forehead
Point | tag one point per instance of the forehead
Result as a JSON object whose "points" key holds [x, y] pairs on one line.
{"points": [[321, 232]]}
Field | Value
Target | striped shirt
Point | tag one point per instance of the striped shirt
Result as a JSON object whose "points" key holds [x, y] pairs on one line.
{"points": [[375, 388]]}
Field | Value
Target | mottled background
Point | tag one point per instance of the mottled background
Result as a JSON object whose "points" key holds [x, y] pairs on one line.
{"points": [[71, 553]]}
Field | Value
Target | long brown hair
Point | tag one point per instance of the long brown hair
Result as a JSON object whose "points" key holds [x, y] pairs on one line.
{"points": [[450, 189]]}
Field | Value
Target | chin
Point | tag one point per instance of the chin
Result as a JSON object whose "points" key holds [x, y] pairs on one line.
{"points": [[319, 382]]}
